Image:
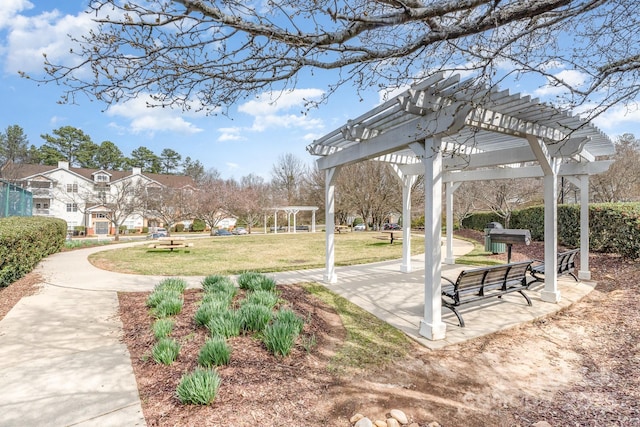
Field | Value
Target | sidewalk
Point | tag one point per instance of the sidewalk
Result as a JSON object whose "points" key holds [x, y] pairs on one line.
{"points": [[62, 362]]}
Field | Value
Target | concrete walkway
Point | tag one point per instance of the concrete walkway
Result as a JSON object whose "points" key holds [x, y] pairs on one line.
{"points": [[62, 362]]}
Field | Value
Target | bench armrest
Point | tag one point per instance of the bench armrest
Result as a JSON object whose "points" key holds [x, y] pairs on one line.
{"points": [[449, 280]]}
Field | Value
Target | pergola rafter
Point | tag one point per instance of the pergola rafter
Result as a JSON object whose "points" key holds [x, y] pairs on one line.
{"points": [[452, 131]]}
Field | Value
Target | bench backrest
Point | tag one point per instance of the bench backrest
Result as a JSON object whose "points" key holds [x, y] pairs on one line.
{"points": [[567, 260], [480, 280]]}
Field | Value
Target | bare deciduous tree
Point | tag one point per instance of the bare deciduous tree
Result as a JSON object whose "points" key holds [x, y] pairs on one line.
{"points": [[169, 205], [212, 204], [621, 183], [209, 54], [288, 175], [248, 200]]}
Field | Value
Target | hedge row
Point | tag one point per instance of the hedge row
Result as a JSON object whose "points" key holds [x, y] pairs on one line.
{"points": [[613, 227], [24, 241]]}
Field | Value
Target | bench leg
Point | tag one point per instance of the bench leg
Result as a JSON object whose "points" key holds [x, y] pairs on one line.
{"points": [[456, 313], [574, 277], [525, 297]]}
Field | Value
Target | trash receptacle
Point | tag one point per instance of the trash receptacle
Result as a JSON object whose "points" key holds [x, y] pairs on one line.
{"points": [[494, 248]]}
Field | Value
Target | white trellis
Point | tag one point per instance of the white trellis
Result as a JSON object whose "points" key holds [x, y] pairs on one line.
{"points": [[453, 131]]}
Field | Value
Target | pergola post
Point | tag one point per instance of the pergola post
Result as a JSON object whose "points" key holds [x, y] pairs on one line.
{"points": [[313, 220], [432, 326], [407, 183], [330, 201], [582, 182], [551, 293], [450, 188]]}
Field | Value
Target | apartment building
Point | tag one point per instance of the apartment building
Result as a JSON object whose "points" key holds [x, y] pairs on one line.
{"points": [[73, 194]]}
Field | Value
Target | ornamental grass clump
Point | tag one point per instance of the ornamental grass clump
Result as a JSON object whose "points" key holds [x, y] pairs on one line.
{"points": [[287, 315], [159, 295], [170, 305], [279, 337], [226, 324], [218, 296], [208, 310], [218, 283], [254, 317], [173, 283], [261, 297], [199, 387], [165, 351], [162, 328], [253, 281], [214, 352]]}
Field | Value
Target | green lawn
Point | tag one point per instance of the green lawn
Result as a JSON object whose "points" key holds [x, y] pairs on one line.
{"points": [[261, 253]]}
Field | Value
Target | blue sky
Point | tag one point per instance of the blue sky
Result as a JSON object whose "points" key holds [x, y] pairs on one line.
{"points": [[249, 141]]}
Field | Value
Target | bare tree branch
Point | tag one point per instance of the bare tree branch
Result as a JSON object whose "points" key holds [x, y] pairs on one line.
{"points": [[207, 54]]}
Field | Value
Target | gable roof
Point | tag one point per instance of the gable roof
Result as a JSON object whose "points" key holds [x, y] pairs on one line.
{"points": [[19, 171]]}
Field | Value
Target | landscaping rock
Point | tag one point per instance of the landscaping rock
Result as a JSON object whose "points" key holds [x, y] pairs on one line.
{"points": [[399, 415], [380, 423], [541, 424], [364, 422], [357, 417], [392, 422], [431, 424]]}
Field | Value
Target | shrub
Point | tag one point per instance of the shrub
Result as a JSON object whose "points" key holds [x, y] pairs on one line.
{"points": [[214, 352], [208, 310], [266, 298], [279, 337], [169, 306], [199, 387], [24, 241], [254, 281], [166, 351], [226, 324], [162, 328], [179, 228], [198, 225], [254, 317], [286, 315]]}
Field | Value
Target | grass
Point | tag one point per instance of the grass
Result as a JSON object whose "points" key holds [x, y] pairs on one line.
{"points": [[165, 351], [370, 342], [162, 328], [199, 387], [279, 337], [214, 352], [264, 254], [478, 256]]}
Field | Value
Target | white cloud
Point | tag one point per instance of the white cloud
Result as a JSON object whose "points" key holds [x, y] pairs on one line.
{"points": [[230, 134], [29, 37], [572, 78], [145, 119], [269, 110], [619, 119], [232, 166], [272, 102], [10, 8]]}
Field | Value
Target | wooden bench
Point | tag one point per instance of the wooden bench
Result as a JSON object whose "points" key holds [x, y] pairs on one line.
{"points": [[566, 265], [482, 283]]}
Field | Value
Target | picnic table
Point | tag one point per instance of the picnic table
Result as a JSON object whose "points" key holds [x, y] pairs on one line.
{"points": [[398, 235], [170, 243], [341, 228]]}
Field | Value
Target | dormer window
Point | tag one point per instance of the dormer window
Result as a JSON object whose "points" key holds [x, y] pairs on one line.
{"points": [[102, 178]]}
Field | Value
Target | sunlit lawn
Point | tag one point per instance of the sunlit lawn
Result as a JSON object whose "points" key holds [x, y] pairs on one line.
{"points": [[262, 253]]}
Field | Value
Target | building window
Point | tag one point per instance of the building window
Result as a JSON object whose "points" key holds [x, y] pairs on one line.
{"points": [[72, 207], [72, 188], [101, 215], [102, 178]]}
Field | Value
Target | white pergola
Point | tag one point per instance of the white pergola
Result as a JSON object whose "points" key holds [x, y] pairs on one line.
{"points": [[453, 131], [291, 211]]}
